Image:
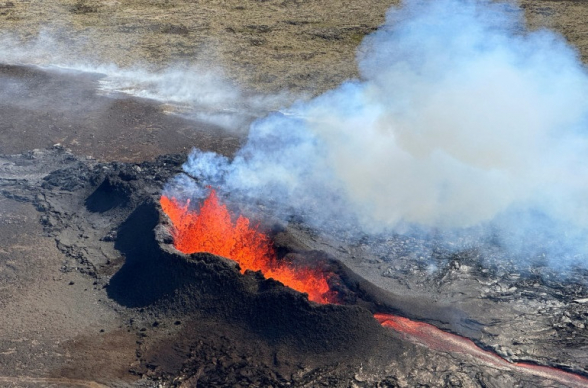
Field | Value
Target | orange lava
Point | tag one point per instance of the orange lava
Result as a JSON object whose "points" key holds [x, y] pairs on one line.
{"points": [[212, 230], [437, 339]]}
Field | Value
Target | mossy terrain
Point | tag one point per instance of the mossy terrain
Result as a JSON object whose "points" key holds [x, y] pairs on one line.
{"points": [[267, 45]]}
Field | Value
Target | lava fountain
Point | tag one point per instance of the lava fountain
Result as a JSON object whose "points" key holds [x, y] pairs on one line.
{"points": [[211, 229]]}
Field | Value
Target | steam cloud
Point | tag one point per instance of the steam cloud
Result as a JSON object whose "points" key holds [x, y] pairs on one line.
{"points": [[198, 90], [461, 120]]}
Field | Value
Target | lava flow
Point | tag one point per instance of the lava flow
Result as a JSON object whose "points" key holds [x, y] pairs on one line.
{"points": [[437, 339], [212, 230]]}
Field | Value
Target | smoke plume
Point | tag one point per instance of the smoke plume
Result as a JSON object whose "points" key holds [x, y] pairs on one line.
{"points": [[461, 121]]}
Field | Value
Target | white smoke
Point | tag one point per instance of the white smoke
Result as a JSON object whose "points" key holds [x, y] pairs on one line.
{"points": [[460, 119], [198, 89]]}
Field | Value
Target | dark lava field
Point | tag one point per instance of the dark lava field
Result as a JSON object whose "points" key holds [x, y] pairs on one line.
{"points": [[93, 292]]}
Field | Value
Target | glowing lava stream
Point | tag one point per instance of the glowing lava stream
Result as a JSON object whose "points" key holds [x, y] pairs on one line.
{"points": [[211, 229], [437, 339]]}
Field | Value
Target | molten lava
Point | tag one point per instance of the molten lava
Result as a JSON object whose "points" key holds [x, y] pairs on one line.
{"points": [[435, 338], [212, 230]]}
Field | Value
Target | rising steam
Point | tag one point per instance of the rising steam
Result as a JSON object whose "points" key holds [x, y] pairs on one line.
{"points": [[199, 90], [460, 120]]}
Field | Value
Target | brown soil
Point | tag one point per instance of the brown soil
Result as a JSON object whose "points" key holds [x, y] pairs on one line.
{"points": [[272, 44], [267, 45]]}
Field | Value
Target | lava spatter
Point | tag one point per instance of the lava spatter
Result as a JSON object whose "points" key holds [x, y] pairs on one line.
{"points": [[211, 229]]}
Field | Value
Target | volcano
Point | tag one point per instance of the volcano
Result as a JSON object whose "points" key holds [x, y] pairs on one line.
{"points": [[199, 318], [114, 275], [196, 315]]}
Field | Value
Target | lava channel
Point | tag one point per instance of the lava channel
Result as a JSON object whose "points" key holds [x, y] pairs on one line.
{"points": [[437, 339]]}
